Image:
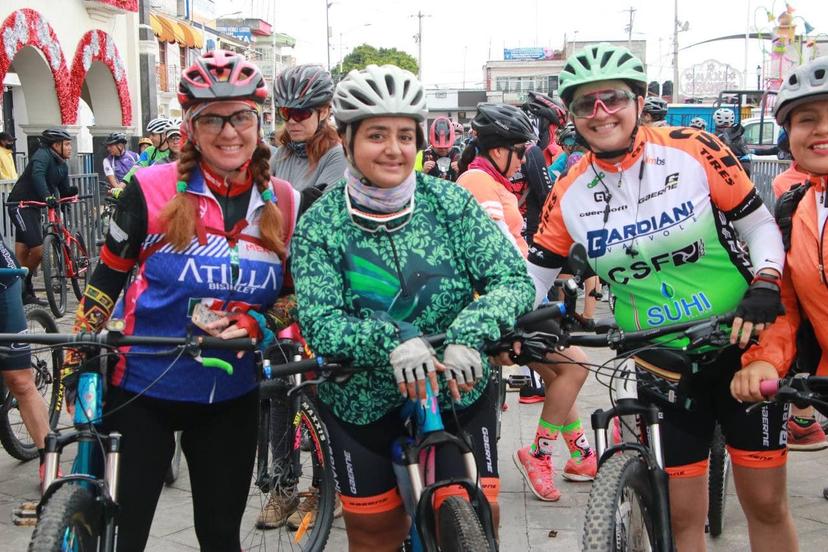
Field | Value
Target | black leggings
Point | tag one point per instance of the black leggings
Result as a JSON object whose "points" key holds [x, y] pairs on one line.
{"points": [[219, 443]]}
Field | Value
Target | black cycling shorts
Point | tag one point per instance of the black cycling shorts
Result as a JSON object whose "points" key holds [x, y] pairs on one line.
{"points": [[13, 320], [28, 228], [755, 440], [362, 455]]}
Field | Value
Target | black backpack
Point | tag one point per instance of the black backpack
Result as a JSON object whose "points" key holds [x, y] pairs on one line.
{"points": [[786, 208]]}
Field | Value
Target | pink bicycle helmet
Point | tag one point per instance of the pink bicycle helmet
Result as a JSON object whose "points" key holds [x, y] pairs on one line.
{"points": [[441, 134], [221, 75]]}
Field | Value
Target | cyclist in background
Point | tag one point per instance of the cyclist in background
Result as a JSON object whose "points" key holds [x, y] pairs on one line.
{"points": [[309, 153], [442, 140], [143, 144], [654, 112], [45, 179], [366, 292], [624, 201], [8, 171], [503, 134], [120, 160], [801, 108], [550, 115], [732, 134], [459, 140], [16, 367], [160, 148], [698, 123], [217, 207]]}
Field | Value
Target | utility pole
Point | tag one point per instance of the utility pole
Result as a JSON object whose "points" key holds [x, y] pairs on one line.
{"points": [[419, 38], [328, 32], [675, 52], [629, 28]]}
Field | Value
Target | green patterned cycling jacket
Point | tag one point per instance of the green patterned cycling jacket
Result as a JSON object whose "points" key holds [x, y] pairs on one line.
{"points": [[360, 294]]}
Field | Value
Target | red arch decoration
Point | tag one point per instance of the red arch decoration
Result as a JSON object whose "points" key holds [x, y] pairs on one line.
{"points": [[26, 27], [98, 46]]}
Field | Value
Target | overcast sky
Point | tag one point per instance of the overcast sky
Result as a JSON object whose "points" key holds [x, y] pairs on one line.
{"points": [[460, 35]]}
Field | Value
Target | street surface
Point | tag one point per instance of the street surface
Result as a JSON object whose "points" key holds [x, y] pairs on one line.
{"points": [[526, 523]]}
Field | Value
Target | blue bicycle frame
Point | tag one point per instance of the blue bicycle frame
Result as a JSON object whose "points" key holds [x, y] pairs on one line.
{"points": [[416, 493]]}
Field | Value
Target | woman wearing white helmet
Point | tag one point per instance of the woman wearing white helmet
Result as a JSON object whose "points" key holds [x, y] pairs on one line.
{"points": [[385, 257], [802, 109]]}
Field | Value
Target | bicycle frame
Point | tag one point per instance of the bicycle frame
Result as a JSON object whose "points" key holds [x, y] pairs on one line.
{"points": [[414, 467], [86, 469], [54, 225]]}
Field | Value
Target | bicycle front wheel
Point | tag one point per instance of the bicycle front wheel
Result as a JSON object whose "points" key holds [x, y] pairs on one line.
{"points": [[619, 514], [80, 265], [460, 528], [46, 364], [54, 274], [70, 520], [291, 503]]}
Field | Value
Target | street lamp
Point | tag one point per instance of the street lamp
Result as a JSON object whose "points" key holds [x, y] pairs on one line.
{"points": [[328, 32]]}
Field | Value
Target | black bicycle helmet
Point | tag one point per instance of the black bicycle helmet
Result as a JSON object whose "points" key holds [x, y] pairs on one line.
{"points": [[545, 107], [566, 134], [52, 135], [656, 107], [303, 87], [501, 125], [116, 138]]}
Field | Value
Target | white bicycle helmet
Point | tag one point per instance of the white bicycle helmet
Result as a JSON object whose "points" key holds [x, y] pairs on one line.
{"points": [[699, 123], [159, 125], [379, 92], [724, 117], [805, 83]]}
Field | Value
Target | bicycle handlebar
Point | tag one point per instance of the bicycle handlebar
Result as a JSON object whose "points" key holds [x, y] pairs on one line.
{"points": [[42, 204], [115, 339]]}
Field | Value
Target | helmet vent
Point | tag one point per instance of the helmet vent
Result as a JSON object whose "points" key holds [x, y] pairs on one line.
{"points": [[418, 97], [605, 59], [362, 97], [585, 62], [406, 86], [624, 58], [819, 74], [389, 85]]}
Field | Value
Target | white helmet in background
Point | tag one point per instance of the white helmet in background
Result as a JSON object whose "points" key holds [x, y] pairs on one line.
{"points": [[724, 117]]}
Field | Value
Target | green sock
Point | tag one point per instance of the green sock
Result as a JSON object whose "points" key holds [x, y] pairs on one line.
{"points": [[545, 438], [576, 440]]}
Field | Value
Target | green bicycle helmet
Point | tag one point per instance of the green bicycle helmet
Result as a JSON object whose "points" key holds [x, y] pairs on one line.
{"points": [[599, 63]]}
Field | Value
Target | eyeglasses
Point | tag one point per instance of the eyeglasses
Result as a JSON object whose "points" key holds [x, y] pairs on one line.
{"points": [[298, 115], [611, 101], [520, 151], [240, 120]]}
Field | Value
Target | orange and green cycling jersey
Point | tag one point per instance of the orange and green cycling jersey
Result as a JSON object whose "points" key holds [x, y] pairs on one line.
{"points": [[658, 227]]}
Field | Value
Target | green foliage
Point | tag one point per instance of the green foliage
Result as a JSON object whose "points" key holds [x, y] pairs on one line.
{"points": [[365, 54]]}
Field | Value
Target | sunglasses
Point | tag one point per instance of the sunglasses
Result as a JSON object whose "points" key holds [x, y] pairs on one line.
{"points": [[298, 115], [611, 101], [240, 120], [519, 151]]}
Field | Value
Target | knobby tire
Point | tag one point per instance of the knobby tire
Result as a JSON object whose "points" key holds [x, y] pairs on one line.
{"points": [[460, 528], [72, 519], [717, 483], [54, 274]]}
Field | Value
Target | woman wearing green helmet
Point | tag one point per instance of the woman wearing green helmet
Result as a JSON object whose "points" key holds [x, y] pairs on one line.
{"points": [[658, 210]]}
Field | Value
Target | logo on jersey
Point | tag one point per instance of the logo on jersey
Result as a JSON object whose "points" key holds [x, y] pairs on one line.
{"points": [[599, 241], [658, 161], [220, 277], [640, 270], [670, 183], [674, 309], [594, 182], [601, 197]]}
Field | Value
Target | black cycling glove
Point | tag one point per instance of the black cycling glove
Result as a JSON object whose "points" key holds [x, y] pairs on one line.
{"points": [[762, 302], [71, 191]]}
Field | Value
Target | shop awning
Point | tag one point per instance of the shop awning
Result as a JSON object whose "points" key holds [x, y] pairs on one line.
{"points": [[193, 38], [166, 29]]}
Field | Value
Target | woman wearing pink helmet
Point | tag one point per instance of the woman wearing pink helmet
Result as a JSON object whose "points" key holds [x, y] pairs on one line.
{"points": [[441, 156], [210, 229]]}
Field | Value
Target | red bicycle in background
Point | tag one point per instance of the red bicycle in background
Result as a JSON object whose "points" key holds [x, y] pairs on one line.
{"points": [[64, 254]]}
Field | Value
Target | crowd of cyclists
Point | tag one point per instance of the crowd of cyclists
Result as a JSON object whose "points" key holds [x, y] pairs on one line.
{"points": [[380, 231]]}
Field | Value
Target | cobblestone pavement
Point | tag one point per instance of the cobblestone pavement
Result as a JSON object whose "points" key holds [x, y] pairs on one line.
{"points": [[527, 524]]}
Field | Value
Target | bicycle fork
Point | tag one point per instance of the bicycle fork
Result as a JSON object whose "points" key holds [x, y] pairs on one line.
{"points": [[627, 405]]}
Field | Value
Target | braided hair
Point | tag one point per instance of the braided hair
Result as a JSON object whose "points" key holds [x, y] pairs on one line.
{"points": [[179, 214]]}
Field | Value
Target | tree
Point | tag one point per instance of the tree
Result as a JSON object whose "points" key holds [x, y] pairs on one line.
{"points": [[365, 54]]}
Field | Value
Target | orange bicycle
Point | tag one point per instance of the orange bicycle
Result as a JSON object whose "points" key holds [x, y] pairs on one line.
{"points": [[64, 254]]}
